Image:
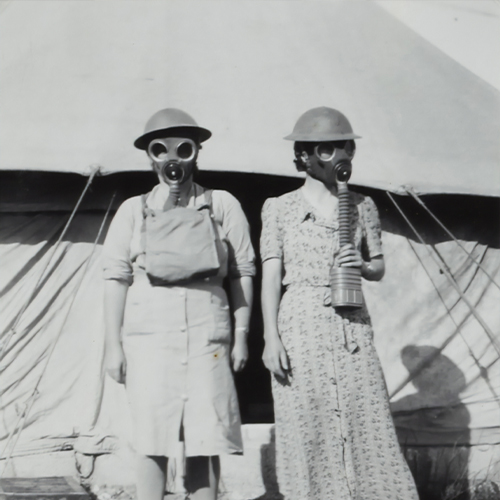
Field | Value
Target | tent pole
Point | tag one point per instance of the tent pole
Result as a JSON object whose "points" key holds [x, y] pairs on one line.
{"points": [[450, 278]]}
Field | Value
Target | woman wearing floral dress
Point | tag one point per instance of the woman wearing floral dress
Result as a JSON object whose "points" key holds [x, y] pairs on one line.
{"points": [[335, 438]]}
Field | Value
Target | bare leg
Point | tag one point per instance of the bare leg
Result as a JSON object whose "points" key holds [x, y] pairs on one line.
{"points": [[151, 477], [202, 477]]}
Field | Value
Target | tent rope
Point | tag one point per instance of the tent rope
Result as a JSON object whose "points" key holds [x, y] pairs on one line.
{"points": [[483, 371], [18, 428], [450, 278], [414, 195], [13, 329]]}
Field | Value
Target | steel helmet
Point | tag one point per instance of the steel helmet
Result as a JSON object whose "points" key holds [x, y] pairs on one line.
{"points": [[322, 124], [173, 120]]}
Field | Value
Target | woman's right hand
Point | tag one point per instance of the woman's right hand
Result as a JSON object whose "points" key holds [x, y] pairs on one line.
{"points": [[115, 363], [275, 357]]}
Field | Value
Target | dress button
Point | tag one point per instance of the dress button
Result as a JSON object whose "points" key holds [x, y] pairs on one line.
{"points": [[182, 294], [184, 361], [184, 397], [183, 329]]}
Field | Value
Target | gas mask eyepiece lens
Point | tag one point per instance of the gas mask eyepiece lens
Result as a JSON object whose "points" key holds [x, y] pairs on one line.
{"points": [[161, 150], [185, 150], [325, 151], [158, 150]]}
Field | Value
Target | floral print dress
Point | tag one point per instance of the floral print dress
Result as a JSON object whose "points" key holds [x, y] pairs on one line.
{"points": [[335, 438]]}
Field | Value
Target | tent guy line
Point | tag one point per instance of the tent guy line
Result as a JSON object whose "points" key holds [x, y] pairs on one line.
{"points": [[414, 195], [23, 415], [12, 331], [450, 278], [483, 371]]}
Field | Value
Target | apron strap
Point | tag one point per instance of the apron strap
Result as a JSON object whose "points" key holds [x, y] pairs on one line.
{"points": [[145, 209], [208, 201]]}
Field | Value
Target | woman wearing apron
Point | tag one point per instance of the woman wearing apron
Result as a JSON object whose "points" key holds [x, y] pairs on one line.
{"points": [[169, 334]]}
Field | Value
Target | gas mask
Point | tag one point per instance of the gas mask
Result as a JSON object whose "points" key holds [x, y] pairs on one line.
{"points": [[174, 158], [330, 162]]}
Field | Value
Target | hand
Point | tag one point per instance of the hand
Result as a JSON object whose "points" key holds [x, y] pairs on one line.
{"points": [[275, 357], [349, 256], [239, 355], [115, 363]]}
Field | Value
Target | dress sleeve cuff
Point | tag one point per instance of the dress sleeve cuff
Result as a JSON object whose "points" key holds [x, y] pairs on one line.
{"points": [[113, 274]]}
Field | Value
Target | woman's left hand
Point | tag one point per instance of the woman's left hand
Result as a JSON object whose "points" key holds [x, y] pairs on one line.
{"points": [[349, 256], [239, 355]]}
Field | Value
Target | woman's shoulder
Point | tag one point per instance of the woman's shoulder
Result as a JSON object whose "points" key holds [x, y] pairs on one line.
{"points": [[285, 200], [130, 209], [367, 208], [132, 204], [358, 198], [223, 202], [222, 196], [226, 207], [283, 206], [135, 200], [289, 197], [362, 200]]}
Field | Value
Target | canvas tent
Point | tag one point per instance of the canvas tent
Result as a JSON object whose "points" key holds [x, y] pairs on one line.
{"points": [[79, 79]]}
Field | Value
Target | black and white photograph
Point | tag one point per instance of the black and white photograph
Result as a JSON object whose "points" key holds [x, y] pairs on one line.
{"points": [[250, 249]]}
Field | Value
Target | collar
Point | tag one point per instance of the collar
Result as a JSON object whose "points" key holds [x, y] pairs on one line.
{"points": [[306, 212], [305, 209]]}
